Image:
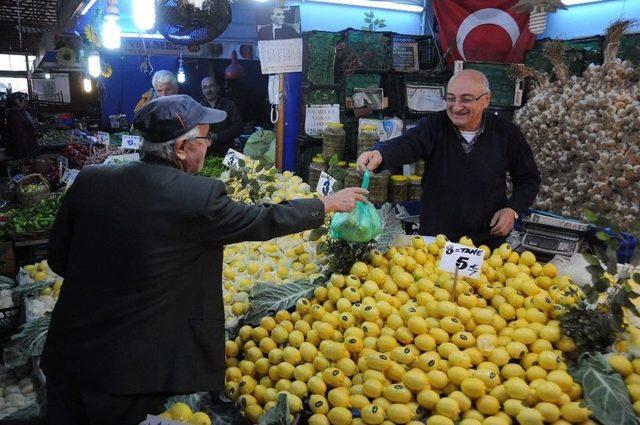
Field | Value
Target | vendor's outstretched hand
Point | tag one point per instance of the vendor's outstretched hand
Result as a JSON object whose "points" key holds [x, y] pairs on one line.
{"points": [[344, 200], [502, 222], [369, 160]]}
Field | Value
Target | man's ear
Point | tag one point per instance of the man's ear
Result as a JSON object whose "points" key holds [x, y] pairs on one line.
{"points": [[180, 149]]}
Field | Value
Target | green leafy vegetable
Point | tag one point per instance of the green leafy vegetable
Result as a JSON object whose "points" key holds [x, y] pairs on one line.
{"points": [[391, 228], [213, 167], [604, 391], [28, 342], [266, 298], [279, 415]]}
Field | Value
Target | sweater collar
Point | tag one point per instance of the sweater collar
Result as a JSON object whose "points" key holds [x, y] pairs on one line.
{"points": [[152, 159], [482, 126]]}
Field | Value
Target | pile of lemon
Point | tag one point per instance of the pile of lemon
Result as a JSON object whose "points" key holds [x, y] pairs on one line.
{"points": [[39, 272], [630, 373], [398, 340], [181, 412]]}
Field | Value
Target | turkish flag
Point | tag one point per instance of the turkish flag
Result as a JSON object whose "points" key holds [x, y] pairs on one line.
{"points": [[483, 30]]}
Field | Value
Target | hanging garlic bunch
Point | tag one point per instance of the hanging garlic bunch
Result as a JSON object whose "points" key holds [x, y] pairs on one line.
{"points": [[585, 133]]}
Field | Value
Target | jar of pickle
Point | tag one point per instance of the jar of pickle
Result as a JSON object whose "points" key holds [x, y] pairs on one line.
{"points": [[353, 178], [379, 187], [317, 166], [333, 141], [367, 138], [420, 168], [398, 186], [414, 191]]}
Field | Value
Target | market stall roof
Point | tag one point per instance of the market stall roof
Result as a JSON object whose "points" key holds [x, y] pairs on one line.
{"points": [[37, 18]]}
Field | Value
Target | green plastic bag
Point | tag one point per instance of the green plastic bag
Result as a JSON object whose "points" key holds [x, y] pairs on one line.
{"points": [[362, 224]]}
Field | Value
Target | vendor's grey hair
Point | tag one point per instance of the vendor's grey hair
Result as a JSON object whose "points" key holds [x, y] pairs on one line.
{"points": [[166, 150], [164, 77], [472, 72]]}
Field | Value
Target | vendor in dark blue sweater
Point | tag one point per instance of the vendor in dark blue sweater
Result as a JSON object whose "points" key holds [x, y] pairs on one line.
{"points": [[468, 154]]}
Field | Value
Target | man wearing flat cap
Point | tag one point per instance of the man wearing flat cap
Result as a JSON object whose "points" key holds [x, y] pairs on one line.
{"points": [[140, 316]]}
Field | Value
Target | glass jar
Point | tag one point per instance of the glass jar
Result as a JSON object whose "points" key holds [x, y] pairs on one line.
{"points": [[317, 166], [353, 179], [379, 188], [367, 138], [398, 186], [333, 141], [420, 168], [414, 191]]}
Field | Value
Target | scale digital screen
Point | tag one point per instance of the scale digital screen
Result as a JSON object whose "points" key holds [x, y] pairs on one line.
{"points": [[542, 242]]}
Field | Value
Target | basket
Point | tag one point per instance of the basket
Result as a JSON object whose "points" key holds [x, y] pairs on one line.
{"points": [[9, 320], [30, 199]]}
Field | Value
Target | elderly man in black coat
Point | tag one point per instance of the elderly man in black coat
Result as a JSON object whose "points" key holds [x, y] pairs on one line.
{"points": [[140, 315]]}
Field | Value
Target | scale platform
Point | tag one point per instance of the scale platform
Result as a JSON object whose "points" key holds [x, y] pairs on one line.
{"points": [[549, 235]]}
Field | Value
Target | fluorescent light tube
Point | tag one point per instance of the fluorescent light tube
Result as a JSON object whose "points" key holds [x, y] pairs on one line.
{"points": [[574, 2], [87, 7], [376, 5]]}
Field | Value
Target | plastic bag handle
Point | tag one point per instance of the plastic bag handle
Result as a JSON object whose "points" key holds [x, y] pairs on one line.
{"points": [[365, 180]]}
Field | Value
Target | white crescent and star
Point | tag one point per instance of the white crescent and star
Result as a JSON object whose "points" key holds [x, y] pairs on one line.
{"points": [[489, 16]]}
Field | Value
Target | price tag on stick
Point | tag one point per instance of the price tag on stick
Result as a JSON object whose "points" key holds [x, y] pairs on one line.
{"points": [[103, 138], [325, 184], [462, 260], [232, 157]]}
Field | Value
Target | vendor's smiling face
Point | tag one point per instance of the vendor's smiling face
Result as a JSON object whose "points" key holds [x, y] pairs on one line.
{"points": [[466, 99]]}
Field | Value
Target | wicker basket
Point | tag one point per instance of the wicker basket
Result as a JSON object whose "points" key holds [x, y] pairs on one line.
{"points": [[30, 199]]}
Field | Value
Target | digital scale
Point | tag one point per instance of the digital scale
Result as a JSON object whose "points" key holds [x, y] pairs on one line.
{"points": [[549, 235]]}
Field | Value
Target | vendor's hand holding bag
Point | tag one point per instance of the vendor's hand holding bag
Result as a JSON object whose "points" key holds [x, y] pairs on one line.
{"points": [[363, 224]]}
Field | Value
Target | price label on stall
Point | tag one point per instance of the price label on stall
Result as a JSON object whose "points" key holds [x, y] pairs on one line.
{"points": [[119, 159], [103, 138], [232, 158], [466, 259], [17, 178], [130, 142], [69, 176], [325, 184]]}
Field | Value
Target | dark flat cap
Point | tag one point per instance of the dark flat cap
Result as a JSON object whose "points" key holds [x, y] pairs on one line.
{"points": [[168, 117]]}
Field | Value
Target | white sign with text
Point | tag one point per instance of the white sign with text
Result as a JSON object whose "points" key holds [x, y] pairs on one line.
{"points": [[467, 260], [325, 184], [232, 158], [130, 141]]}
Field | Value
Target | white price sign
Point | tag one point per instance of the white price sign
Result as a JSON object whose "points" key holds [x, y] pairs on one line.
{"points": [[130, 142], [325, 184], [118, 159], [466, 259], [232, 157], [69, 176], [103, 137]]}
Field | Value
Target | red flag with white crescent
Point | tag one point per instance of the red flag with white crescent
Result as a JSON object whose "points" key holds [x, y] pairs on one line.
{"points": [[483, 30]]}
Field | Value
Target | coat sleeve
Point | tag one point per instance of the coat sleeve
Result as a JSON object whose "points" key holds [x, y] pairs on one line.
{"points": [[414, 145], [227, 221], [524, 174]]}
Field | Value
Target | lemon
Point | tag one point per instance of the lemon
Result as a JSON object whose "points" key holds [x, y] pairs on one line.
{"points": [[339, 397], [316, 385], [372, 414], [529, 416], [448, 407], [512, 406], [516, 350], [550, 360], [358, 401], [339, 416], [620, 364], [180, 411], [372, 388], [575, 412], [488, 405], [549, 391], [549, 411], [399, 413], [397, 393], [474, 388], [437, 379], [318, 419], [333, 376], [516, 388], [427, 398], [439, 420], [634, 391], [253, 412], [416, 380], [469, 421]]}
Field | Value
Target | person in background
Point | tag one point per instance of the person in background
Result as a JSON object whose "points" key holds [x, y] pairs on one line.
{"points": [[222, 134], [19, 134], [164, 83], [140, 316], [468, 153], [277, 29]]}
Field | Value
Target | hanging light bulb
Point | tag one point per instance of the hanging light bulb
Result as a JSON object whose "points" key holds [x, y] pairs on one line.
{"points": [[110, 27], [93, 64], [144, 14], [87, 85], [181, 76], [47, 75]]}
